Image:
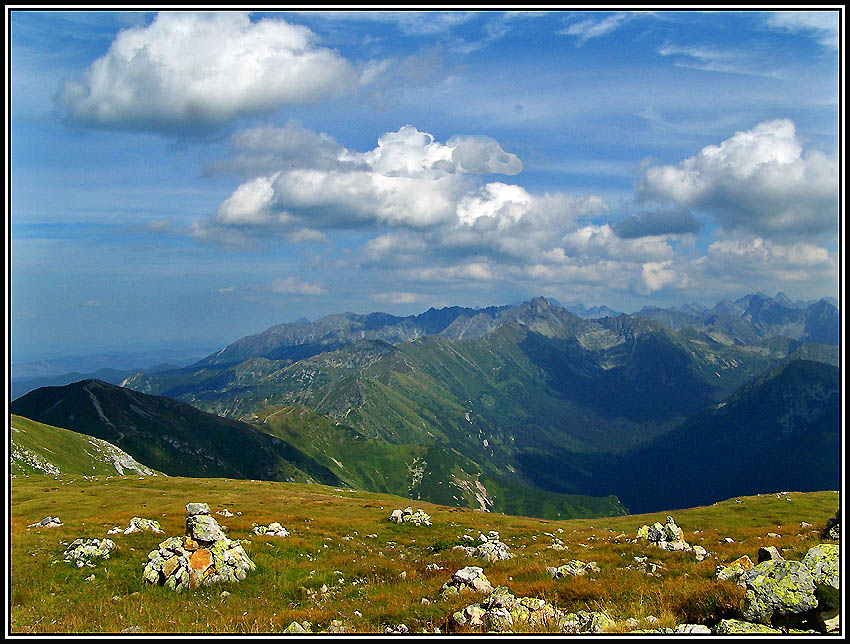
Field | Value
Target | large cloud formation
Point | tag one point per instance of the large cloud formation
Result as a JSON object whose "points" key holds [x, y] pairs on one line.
{"points": [[431, 217], [759, 181], [191, 70]]}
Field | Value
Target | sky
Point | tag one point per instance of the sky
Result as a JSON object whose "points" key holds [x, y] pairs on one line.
{"points": [[186, 179]]}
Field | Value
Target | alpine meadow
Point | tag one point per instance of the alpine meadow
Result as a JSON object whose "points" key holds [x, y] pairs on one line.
{"points": [[424, 323]]}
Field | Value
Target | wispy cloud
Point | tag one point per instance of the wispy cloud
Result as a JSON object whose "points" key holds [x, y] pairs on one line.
{"points": [[822, 25], [714, 59], [295, 286], [584, 30]]}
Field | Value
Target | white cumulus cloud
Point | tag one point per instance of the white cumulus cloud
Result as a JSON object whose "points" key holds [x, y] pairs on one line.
{"points": [[202, 69], [758, 180]]}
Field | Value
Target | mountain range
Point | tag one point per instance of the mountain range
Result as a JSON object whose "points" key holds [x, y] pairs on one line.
{"points": [[528, 409]]}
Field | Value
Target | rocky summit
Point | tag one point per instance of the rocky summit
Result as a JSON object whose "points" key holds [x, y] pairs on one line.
{"points": [[203, 556]]}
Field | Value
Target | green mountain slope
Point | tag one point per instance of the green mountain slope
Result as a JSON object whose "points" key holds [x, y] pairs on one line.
{"points": [[35, 448], [779, 432], [178, 439]]}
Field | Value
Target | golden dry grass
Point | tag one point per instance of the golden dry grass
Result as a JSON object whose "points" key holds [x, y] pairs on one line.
{"points": [[331, 544]]}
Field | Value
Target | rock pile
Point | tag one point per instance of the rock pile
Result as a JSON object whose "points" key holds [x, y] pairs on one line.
{"points": [[138, 524], [668, 536], [470, 578], [46, 522], [84, 552], [502, 612], [204, 556], [780, 593], [271, 530], [573, 568], [489, 549], [409, 516]]}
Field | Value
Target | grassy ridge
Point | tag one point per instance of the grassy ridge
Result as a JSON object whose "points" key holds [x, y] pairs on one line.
{"points": [[70, 452], [342, 539]]}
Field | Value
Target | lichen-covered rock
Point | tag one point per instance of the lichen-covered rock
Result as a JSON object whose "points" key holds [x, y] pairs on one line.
{"points": [[833, 527], [203, 527], [739, 627], [193, 509], [700, 553], [693, 629], [138, 524], [823, 563], [585, 622], [409, 516], [472, 616], [295, 627], [777, 590], [84, 552], [734, 570], [573, 568], [498, 620], [489, 548], [468, 578], [667, 536]]}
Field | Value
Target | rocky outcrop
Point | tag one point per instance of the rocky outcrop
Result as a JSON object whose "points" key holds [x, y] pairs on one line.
{"points": [[409, 516], [823, 563], [85, 552], [203, 556], [47, 522]]}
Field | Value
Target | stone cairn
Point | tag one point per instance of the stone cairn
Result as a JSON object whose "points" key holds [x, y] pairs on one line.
{"points": [[489, 549], [83, 552], [409, 516], [204, 556], [271, 530], [138, 524], [668, 536]]}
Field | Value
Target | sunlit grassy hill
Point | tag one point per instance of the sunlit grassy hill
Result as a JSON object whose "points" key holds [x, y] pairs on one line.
{"points": [[375, 573]]}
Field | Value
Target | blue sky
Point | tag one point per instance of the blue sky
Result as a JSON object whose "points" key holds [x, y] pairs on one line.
{"points": [[184, 179]]}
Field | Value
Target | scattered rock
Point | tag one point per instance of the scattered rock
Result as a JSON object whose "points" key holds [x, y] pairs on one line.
{"points": [[271, 530], [466, 579], [700, 553], [90, 578], [204, 556], [225, 513], [295, 627], [46, 522], [573, 568], [833, 527], [769, 553], [489, 548], [83, 552], [138, 524], [734, 570], [693, 629], [409, 516], [668, 536], [739, 627]]}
